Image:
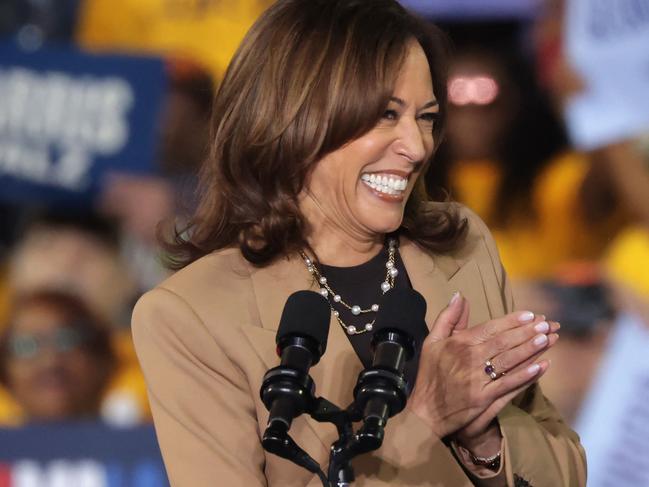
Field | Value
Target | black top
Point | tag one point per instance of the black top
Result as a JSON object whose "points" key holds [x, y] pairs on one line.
{"points": [[361, 285]]}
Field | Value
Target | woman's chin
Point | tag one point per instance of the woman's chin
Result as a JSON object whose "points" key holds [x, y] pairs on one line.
{"points": [[382, 224], [380, 215]]}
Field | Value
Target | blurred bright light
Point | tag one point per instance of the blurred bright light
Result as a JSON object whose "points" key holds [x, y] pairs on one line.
{"points": [[476, 90]]}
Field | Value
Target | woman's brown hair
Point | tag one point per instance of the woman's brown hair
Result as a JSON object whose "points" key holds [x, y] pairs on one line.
{"points": [[310, 76]]}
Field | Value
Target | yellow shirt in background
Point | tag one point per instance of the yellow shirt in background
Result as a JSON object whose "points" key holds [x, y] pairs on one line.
{"points": [[206, 31], [535, 246], [5, 296], [475, 183], [627, 260]]}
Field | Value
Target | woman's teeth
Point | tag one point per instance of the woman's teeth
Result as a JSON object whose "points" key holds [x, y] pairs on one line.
{"points": [[385, 184]]}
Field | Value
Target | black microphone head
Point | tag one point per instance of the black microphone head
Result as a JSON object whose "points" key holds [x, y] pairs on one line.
{"points": [[306, 314], [402, 310]]}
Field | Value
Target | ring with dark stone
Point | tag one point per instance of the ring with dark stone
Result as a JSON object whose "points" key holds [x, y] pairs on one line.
{"points": [[490, 370]]}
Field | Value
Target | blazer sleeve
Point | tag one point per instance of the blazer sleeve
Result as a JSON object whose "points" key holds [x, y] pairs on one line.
{"points": [[539, 448], [202, 407]]}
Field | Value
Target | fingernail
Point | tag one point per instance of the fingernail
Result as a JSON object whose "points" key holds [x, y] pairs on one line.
{"points": [[541, 340], [533, 369], [542, 327], [525, 317], [455, 297]]}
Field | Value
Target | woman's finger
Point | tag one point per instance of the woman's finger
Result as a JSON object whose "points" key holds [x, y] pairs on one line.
{"points": [[513, 380], [481, 422], [525, 343], [463, 322], [447, 319], [493, 328], [552, 339], [510, 338]]}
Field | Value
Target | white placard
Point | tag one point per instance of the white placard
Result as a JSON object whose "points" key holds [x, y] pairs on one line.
{"points": [[614, 420], [607, 42]]}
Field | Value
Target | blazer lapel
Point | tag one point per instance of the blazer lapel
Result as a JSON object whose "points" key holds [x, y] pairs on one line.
{"points": [[272, 286], [439, 276]]}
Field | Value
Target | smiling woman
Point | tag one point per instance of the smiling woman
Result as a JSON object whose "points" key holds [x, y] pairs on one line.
{"points": [[327, 119], [330, 78], [360, 190]]}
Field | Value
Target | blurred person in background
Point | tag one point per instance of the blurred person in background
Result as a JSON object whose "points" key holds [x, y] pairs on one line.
{"points": [[55, 358], [78, 253], [609, 184], [507, 157], [615, 176], [554, 211]]}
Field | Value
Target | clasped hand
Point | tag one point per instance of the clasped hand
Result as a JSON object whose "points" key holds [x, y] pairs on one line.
{"points": [[453, 394]]}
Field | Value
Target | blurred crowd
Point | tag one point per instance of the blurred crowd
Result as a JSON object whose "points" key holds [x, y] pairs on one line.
{"points": [[572, 226]]}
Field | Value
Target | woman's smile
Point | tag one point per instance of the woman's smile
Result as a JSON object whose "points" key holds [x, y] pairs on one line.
{"points": [[388, 185]]}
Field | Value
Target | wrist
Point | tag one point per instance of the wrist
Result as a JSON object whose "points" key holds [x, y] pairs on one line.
{"points": [[491, 462], [425, 417], [482, 451], [485, 444]]}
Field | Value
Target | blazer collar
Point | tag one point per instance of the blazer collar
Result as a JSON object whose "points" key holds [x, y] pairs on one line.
{"points": [[435, 277]]}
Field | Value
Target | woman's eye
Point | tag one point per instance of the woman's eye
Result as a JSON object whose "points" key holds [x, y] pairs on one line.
{"points": [[390, 115], [429, 117]]}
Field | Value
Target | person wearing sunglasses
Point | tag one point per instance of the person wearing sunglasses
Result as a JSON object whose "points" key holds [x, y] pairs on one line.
{"points": [[55, 357]]}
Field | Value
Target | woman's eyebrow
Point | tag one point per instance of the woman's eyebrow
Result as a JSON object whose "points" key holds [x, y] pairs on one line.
{"points": [[430, 104], [401, 102]]}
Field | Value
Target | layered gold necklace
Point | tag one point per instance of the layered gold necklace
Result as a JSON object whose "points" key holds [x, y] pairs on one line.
{"points": [[333, 297]]}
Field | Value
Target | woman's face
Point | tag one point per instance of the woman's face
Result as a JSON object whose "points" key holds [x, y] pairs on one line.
{"points": [[49, 372], [362, 188]]}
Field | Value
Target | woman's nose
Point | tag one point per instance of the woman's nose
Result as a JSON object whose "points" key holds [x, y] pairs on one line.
{"points": [[411, 142]]}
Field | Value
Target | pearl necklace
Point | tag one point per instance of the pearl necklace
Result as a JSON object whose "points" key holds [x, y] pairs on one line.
{"points": [[330, 295]]}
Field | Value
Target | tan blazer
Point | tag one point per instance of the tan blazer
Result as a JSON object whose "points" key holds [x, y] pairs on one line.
{"points": [[206, 336]]}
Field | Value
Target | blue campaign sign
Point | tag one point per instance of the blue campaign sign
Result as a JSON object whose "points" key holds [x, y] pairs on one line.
{"points": [[68, 117], [461, 9], [80, 455]]}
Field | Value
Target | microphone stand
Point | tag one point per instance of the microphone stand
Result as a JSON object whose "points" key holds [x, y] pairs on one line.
{"points": [[379, 394], [288, 392], [340, 472]]}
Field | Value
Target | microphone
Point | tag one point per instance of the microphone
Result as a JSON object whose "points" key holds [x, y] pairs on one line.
{"points": [[287, 390], [381, 390]]}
